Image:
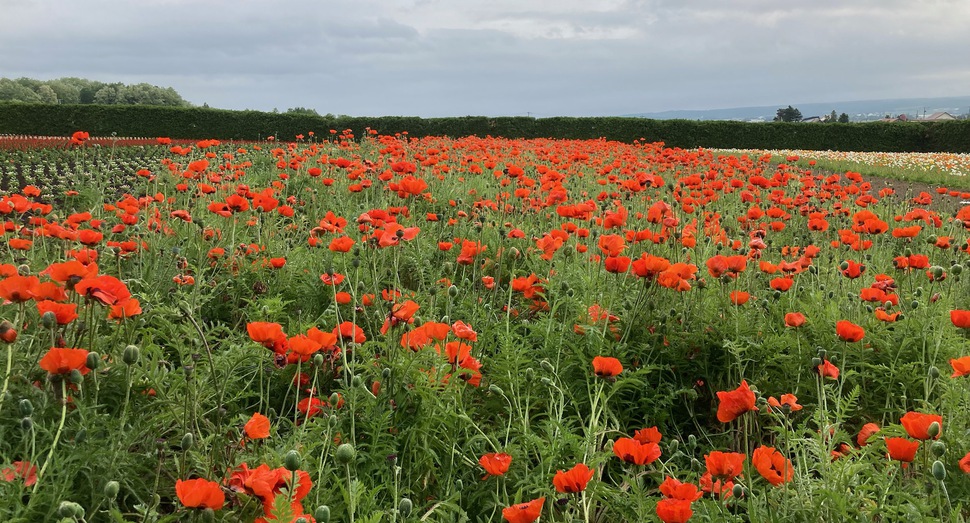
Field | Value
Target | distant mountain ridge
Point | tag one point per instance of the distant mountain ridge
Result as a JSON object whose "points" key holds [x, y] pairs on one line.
{"points": [[858, 110]]}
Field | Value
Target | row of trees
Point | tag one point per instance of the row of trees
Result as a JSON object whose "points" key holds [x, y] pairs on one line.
{"points": [[792, 114], [83, 91]]}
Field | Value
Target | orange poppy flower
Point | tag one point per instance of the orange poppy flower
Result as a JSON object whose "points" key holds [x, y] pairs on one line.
{"points": [[772, 465], [828, 370], [674, 489], [735, 403], [606, 367], [106, 289], [495, 464], [635, 452], [739, 297], [64, 313], [794, 319], [965, 463], [961, 366], [200, 493], [865, 434], [848, 331], [901, 449], [524, 512], [350, 331], [786, 399], [960, 318], [674, 510], [257, 427], [917, 424], [574, 480], [724, 465], [23, 470], [18, 289], [63, 361], [648, 435], [464, 331]]}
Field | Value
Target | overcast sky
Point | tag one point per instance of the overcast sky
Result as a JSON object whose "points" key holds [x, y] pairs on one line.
{"points": [[498, 57]]}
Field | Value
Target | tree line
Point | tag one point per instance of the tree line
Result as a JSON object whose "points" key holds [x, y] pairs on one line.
{"points": [[792, 114], [81, 91]]}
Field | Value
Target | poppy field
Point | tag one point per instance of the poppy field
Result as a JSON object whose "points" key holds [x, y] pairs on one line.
{"points": [[382, 328]]}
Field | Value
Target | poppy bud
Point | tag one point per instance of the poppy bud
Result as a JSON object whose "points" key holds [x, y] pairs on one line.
{"points": [[939, 471], [737, 491], [322, 514], [934, 372], [93, 360], [547, 366], [7, 333], [292, 461], [691, 441], [76, 377], [345, 453], [918, 292], [208, 515], [459, 485], [816, 362], [404, 507], [869, 309], [48, 319], [332, 421], [131, 355], [26, 407], [674, 444], [453, 291], [111, 489], [386, 373], [529, 374], [69, 509], [956, 269], [318, 360], [357, 381], [334, 399], [933, 430], [301, 519], [844, 266], [914, 304], [23, 270], [188, 441], [938, 448], [27, 424], [495, 389]]}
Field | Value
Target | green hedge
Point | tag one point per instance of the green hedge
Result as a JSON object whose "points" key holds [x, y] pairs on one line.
{"points": [[197, 123]]}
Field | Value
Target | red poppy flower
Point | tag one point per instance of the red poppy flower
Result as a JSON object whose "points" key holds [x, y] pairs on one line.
{"points": [[828, 370], [917, 424], [794, 319], [268, 334], [257, 427], [106, 289], [495, 464], [63, 361], [635, 452], [200, 493], [350, 331], [64, 313], [739, 297], [786, 399], [574, 480], [849, 331], [606, 367], [648, 435], [965, 463], [960, 318], [735, 402], [674, 510], [524, 512], [125, 309], [772, 465], [724, 465], [901, 449], [341, 244]]}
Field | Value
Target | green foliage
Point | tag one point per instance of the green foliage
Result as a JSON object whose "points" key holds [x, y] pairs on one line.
{"points": [[788, 114], [196, 123], [69, 91]]}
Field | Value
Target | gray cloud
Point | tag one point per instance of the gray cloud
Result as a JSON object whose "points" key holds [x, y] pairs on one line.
{"points": [[458, 57]]}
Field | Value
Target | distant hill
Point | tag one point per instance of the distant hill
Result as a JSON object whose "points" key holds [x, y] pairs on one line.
{"points": [[858, 110]]}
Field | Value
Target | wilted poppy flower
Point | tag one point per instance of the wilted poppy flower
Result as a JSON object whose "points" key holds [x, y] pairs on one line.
{"points": [[849, 331], [917, 424], [901, 449], [63, 361], [724, 465], [772, 465], [735, 402], [574, 480], [635, 452], [606, 367], [524, 512], [200, 493], [495, 464], [960, 318], [257, 427]]}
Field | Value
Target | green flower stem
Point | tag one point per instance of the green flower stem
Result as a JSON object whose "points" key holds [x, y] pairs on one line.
{"points": [[57, 435]]}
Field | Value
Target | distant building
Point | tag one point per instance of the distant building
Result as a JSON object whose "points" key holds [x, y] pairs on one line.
{"points": [[812, 119], [938, 117], [900, 118]]}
